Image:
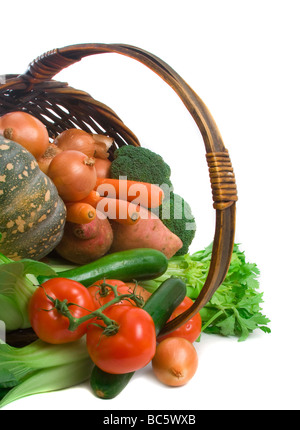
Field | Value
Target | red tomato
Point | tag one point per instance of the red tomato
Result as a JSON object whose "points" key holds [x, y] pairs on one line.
{"points": [[131, 348], [103, 295], [50, 325], [100, 298], [191, 329]]}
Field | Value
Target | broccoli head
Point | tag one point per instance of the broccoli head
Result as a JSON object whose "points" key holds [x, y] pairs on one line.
{"points": [[140, 164], [177, 216]]}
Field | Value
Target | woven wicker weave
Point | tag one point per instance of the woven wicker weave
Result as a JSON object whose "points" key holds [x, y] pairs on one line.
{"points": [[60, 107]]}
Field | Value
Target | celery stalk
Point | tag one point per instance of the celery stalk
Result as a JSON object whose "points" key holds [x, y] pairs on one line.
{"points": [[235, 308]]}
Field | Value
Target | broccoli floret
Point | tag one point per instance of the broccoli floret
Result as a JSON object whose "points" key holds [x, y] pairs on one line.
{"points": [[177, 216], [140, 164]]}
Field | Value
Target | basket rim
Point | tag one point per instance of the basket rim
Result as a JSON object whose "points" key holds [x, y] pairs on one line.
{"points": [[42, 71]]}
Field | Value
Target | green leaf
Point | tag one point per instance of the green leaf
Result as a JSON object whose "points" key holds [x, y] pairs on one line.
{"points": [[265, 329], [17, 284], [227, 326], [7, 379], [4, 392], [235, 308], [10, 272], [4, 259], [25, 267]]}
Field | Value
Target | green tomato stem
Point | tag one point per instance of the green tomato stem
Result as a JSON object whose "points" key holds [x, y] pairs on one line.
{"points": [[62, 306]]}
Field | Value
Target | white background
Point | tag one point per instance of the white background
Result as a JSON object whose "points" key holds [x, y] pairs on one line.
{"points": [[242, 58]]}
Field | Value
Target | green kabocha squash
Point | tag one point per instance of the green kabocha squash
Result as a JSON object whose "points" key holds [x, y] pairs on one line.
{"points": [[32, 215]]}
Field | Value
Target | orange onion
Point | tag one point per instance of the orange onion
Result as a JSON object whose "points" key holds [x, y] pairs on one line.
{"points": [[175, 361], [77, 140], [45, 160], [26, 130], [73, 174]]}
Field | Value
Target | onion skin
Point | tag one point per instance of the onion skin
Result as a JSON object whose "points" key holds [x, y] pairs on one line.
{"points": [[26, 130], [73, 174], [76, 139], [45, 160], [175, 361], [102, 145]]}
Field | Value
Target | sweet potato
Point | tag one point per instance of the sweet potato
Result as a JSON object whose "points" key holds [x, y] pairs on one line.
{"points": [[149, 232], [83, 243]]}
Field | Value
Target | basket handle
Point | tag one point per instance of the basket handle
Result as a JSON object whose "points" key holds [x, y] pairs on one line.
{"points": [[221, 173]]}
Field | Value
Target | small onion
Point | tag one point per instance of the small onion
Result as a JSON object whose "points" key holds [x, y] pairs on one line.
{"points": [[77, 140], [73, 174], [47, 157], [175, 361]]}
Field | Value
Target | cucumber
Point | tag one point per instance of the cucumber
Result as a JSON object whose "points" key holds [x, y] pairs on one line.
{"points": [[164, 300], [106, 385], [160, 306], [135, 264]]}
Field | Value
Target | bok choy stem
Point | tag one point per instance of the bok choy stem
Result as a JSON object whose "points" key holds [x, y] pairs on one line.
{"points": [[40, 367]]}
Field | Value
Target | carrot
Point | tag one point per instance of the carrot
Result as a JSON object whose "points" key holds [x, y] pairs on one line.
{"points": [[98, 182], [80, 213], [118, 210], [143, 193], [92, 199]]}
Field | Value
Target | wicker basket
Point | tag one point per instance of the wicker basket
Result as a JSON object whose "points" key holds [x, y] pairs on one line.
{"points": [[60, 107]]}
